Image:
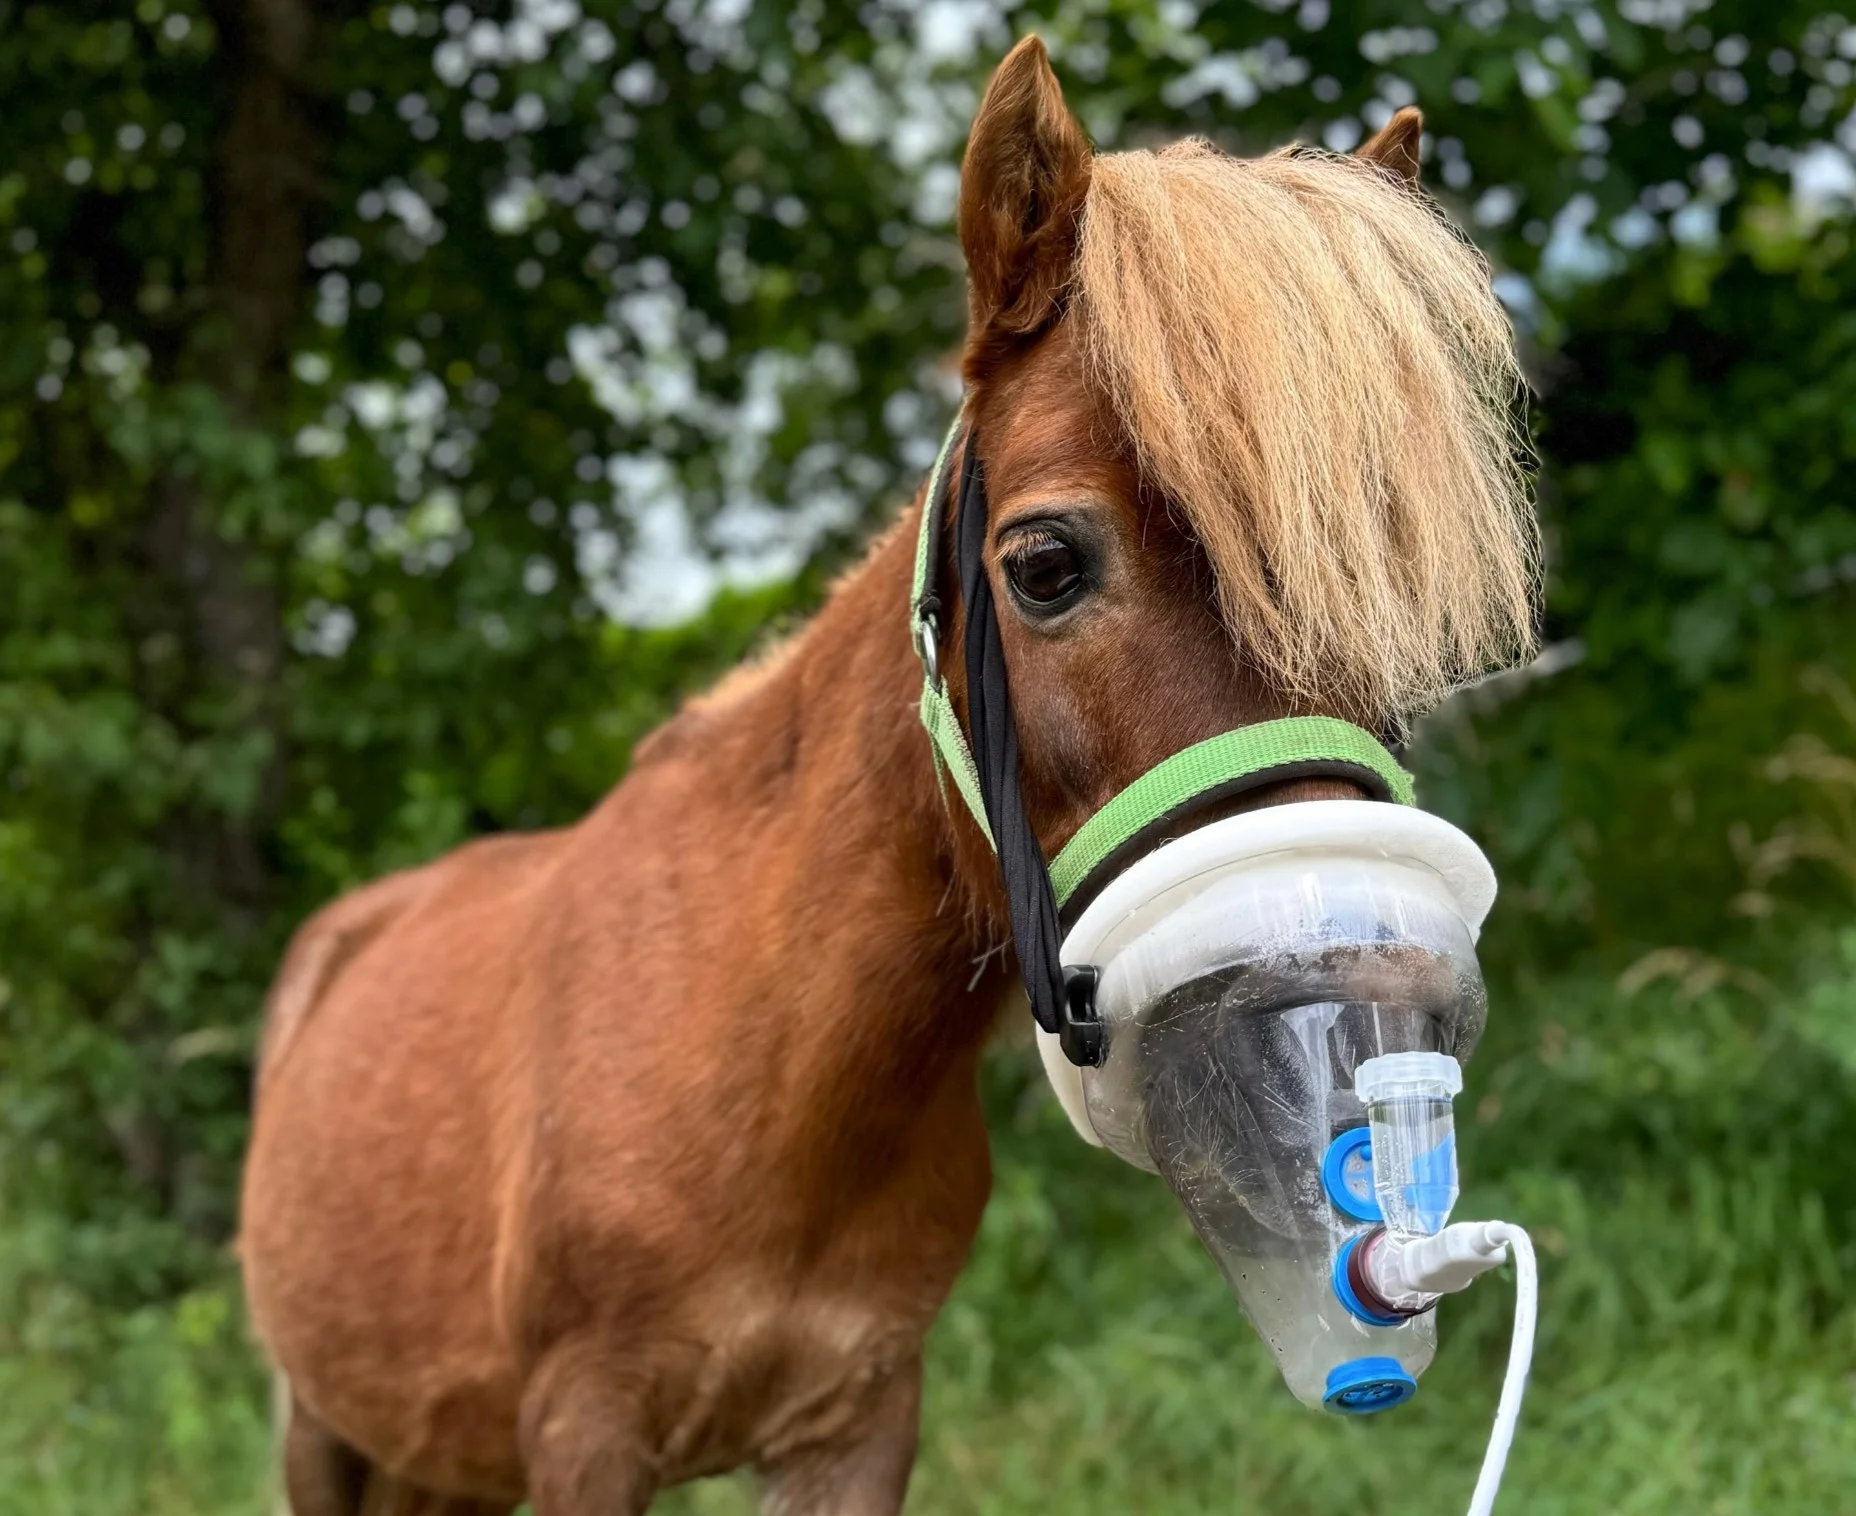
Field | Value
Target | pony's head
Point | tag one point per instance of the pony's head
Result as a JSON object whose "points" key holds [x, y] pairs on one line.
{"points": [[1249, 433]]}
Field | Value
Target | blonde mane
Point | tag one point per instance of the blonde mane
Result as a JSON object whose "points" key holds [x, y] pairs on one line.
{"points": [[1315, 371]]}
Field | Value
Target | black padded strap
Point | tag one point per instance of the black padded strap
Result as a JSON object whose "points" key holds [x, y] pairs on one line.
{"points": [[994, 734]]}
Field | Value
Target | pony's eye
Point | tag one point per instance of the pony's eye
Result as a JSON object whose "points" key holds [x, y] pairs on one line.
{"points": [[1047, 574]]}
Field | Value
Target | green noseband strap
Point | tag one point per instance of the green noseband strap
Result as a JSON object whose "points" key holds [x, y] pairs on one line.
{"points": [[1294, 747], [1271, 752]]}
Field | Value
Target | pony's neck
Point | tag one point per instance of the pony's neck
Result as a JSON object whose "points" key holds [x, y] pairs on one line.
{"points": [[890, 897], [859, 679]]}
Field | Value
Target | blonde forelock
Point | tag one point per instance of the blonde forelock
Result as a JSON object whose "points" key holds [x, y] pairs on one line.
{"points": [[1313, 369]]}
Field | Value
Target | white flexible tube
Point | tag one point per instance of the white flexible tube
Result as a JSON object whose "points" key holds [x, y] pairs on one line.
{"points": [[1520, 1357], [1410, 1273]]}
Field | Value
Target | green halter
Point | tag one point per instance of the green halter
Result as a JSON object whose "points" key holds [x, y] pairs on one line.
{"points": [[1266, 753]]}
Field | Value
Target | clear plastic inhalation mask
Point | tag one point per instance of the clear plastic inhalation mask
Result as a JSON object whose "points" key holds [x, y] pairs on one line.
{"points": [[1245, 973]]}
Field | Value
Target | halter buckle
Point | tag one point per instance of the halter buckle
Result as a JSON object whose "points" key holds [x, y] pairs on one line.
{"points": [[1079, 1025]]}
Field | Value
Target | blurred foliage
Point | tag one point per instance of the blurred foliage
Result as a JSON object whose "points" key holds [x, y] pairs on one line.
{"points": [[384, 389]]}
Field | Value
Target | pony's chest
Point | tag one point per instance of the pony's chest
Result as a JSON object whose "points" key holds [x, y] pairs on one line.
{"points": [[783, 1373]]}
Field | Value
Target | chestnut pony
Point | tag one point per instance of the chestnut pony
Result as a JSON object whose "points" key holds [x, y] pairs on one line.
{"points": [[593, 1161]]}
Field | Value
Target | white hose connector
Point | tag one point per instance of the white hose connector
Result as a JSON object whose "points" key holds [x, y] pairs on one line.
{"points": [[1408, 1274]]}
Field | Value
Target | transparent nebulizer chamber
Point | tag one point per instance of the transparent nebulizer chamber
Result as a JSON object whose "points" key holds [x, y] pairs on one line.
{"points": [[1244, 974]]}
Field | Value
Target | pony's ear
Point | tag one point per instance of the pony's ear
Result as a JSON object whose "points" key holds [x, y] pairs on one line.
{"points": [[1395, 145], [1022, 186]]}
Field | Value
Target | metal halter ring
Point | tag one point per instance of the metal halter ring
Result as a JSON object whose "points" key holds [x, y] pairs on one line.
{"points": [[927, 648]]}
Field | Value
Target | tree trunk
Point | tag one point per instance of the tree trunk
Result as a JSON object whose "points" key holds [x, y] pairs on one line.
{"points": [[227, 591], [217, 594]]}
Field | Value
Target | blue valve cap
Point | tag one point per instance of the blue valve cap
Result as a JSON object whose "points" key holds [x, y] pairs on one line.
{"points": [[1349, 1296], [1367, 1385], [1347, 1175]]}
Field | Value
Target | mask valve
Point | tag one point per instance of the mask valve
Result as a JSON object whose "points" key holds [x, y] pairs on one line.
{"points": [[1401, 1268], [1413, 1125]]}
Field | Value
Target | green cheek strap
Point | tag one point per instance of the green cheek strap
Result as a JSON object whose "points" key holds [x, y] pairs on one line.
{"points": [[1142, 815]]}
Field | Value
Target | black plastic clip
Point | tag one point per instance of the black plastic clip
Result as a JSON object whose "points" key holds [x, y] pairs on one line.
{"points": [[1079, 1030]]}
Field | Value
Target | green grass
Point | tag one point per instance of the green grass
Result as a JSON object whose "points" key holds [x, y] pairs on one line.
{"points": [[1682, 1164], [159, 1411]]}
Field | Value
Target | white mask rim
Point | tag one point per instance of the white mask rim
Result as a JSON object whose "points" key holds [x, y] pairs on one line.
{"points": [[1336, 828]]}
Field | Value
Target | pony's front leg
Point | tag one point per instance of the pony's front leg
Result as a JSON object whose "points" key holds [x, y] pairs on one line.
{"points": [[581, 1445], [866, 1471]]}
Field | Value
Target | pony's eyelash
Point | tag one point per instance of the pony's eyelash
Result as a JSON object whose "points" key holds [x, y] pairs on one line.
{"points": [[1031, 539], [1028, 536]]}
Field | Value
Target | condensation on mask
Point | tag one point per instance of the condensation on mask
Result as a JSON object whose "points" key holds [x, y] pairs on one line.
{"points": [[1245, 971]]}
